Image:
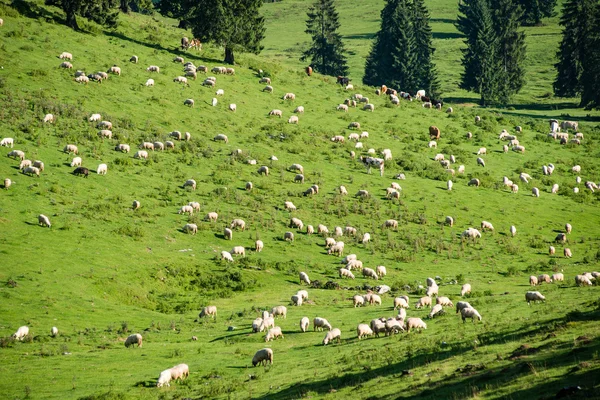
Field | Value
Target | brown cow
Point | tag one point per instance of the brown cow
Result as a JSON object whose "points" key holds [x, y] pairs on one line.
{"points": [[384, 89], [308, 70], [434, 132]]}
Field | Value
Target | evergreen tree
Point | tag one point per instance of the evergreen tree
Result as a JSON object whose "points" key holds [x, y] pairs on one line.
{"points": [[535, 10], [401, 53], [326, 54], [480, 58], [103, 12], [136, 6], [511, 48], [590, 77], [181, 10], [237, 25], [577, 21], [425, 70]]}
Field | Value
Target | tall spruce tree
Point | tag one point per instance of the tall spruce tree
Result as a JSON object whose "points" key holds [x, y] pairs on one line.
{"points": [[480, 58], [590, 77], [511, 48], [237, 25], [535, 10], [181, 10], [425, 70], [400, 56], [326, 53], [577, 22], [103, 12]]}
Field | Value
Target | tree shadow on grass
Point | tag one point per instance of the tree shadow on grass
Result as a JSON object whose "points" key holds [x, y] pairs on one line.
{"points": [[447, 35], [173, 50], [470, 377], [32, 10]]}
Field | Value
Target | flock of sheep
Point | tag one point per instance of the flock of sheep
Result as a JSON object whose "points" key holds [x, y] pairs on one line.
{"points": [[266, 323]]}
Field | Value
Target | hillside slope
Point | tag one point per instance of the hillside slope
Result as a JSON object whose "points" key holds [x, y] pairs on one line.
{"points": [[104, 271]]}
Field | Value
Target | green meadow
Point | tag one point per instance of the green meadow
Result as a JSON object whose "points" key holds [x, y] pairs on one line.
{"points": [[104, 271]]}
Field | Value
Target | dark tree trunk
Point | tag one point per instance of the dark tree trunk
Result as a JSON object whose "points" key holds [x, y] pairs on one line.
{"points": [[71, 19], [125, 6], [229, 58]]}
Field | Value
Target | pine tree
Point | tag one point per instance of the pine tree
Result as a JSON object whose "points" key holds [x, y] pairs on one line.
{"points": [[103, 12], [590, 77], [480, 58], [577, 21], [401, 53], [511, 48], [181, 10], [326, 54], [237, 25], [535, 10], [425, 70]]}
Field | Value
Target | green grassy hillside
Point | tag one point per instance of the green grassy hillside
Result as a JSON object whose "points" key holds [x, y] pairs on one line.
{"points": [[104, 271]]}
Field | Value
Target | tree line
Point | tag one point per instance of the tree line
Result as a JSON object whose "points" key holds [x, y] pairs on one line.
{"points": [[401, 54]]}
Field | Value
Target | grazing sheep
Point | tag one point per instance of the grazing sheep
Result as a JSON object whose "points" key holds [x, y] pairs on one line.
{"points": [[366, 238], [568, 228], [363, 330], [225, 255], [66, 65], [369, 107], [433, 289], [582, 280], [375, 299], [437, 309], [474, 182], [54, 331], [358, 300], [279, 310], [186, 210], [238, 223], [288, 205], [423, 301], [76, 162], [432, 144], [329, 242], [533, 280], [449, 221], [102, 169], [44, 221], [486, 226], [188, 102], [289, 96], [345, 273], [7, 183], [273, 333], [466, 288], [337, 249], [391, 223], [469, 312], [71, 148], [238, 250], [296, 300], [481, 151], [49, 118], [415, 323], [551, 250], [24, 164], [338, 231], [21, 333], [304, 278], [31, 171], [304, 323], [288, 236], [462, 304], [8, 142], [136, 205], [518, 149], [191, 228], [208, 311], [293, 119], [264, 170], [263, 356], [322, 229], [558, 277], [449, 185], [180, 79], [334, 333], [134, 339], [544, 278], [299, 178], [534, 296], [471, 233], [164, 378], [480, 162], [400, 302], [296, 223], [567, 252], [381, 271]]}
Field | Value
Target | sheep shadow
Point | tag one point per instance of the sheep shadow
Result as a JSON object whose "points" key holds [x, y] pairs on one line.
{"points": [[146, 384], [220, 236]]}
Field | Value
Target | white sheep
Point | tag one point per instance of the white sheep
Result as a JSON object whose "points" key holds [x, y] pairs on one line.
{"points": [[21, 333], [423, 301], [296, 223], [400, 302], [279, 310], [134, 339], [558, 277], [535, 192], [238, 251], [486, 226], [54, 331], [296, 300], [304, 278], [208, 311], [480, 162], [415, 323], [186, 210], [366, 238], [7, 183], [437, 309], [469, 312], [381, 271], [225, 255], [370, 273], [164, 378], [102, 169], [466, 288], [288, 236], [304, 323], [358, 300], [141, 154], [513, 230], [345, 273], [211, 216], [262, 356], [534, 296], [582, 280], [191, 228], [334, 333], [321, 323], [274, 333], [363, 330], [258, 246], [567, 252], [337, 249], [8, 142], [44, 221], [263, 170]]}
